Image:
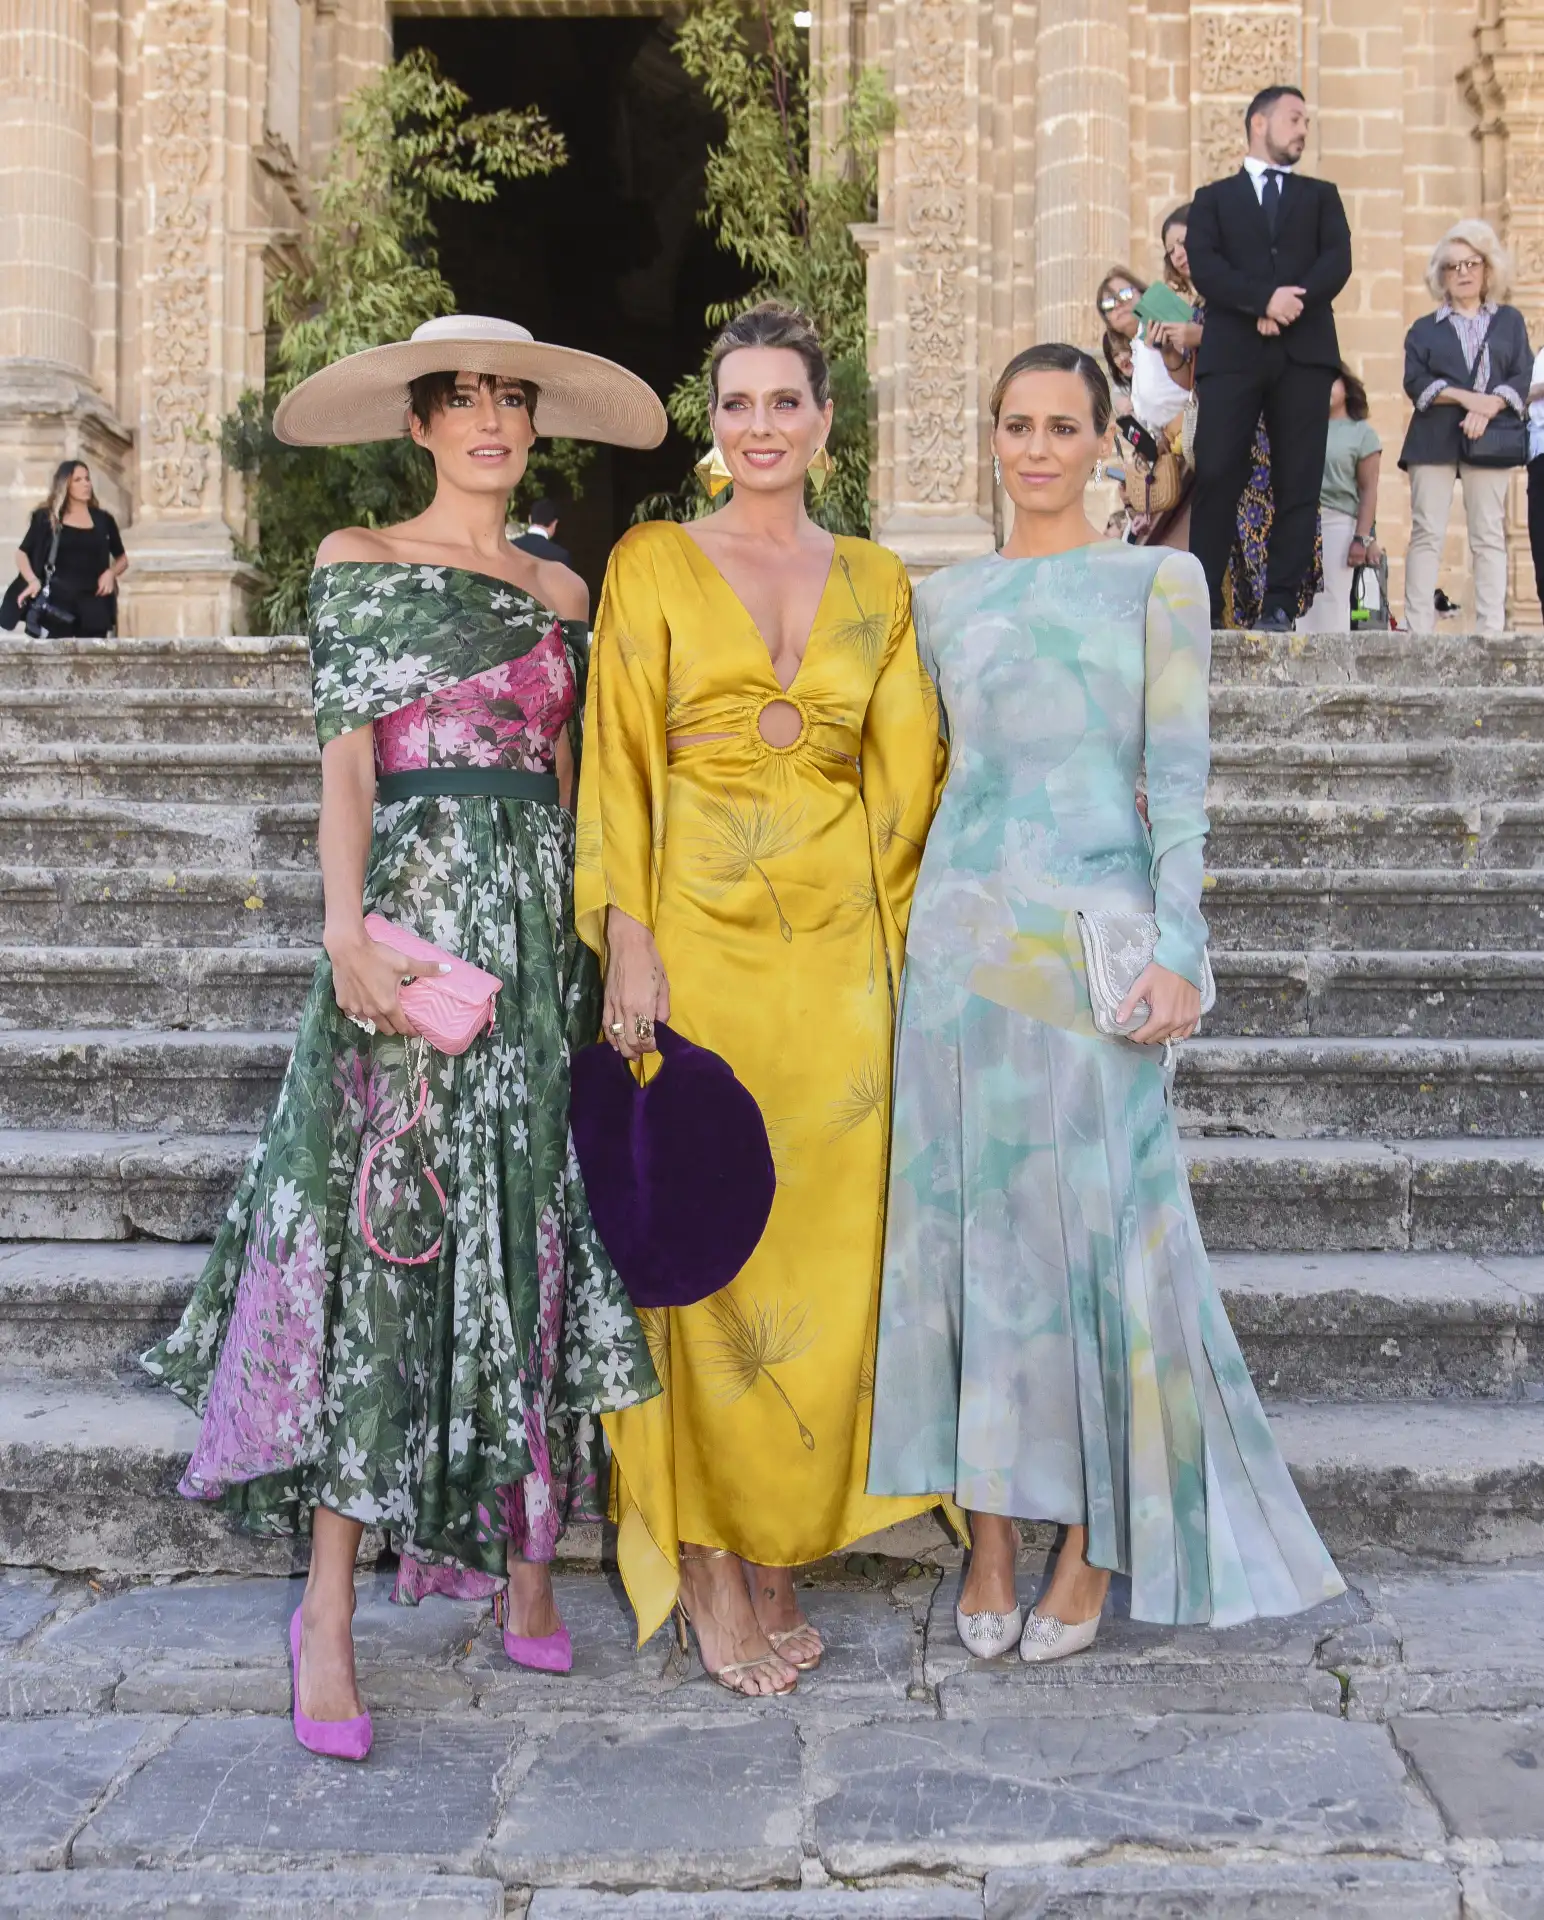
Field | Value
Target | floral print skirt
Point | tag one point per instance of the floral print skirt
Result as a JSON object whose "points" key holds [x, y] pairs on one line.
{"points": [[1243, 585], [1052, 1345], [452, 1403]]}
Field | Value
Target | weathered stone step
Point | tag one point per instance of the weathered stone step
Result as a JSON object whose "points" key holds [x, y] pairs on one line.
{"points": [[1376, 1326], [1330, 833], [187, 1082], [1327, 1196], [1374, 713], [1446, 1479], [140, 833], [237, 775], [1370, 907], [1318, 1088], [88, 1477], [1473, 1196], [70, 1185], [1329, 1326], [244, 660], [1382, 772], [207, 989], [102, 1081], [197, 715], [1437, 996], [160, 907], [1378, 659]]}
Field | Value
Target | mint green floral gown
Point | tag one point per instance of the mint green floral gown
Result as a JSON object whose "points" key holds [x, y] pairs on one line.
{"points": [[453, 1404], [1052, 1345]]}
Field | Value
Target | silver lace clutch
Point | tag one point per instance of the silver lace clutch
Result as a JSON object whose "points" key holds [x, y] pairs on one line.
{"points": [[1117, 945]]}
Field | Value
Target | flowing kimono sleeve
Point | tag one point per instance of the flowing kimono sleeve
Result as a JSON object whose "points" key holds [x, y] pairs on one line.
{"points": [[903, 761], [621, 825], [1179, 649]]}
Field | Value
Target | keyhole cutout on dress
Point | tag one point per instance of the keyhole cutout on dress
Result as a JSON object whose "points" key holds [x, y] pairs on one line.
{"points": [[780, 723]]}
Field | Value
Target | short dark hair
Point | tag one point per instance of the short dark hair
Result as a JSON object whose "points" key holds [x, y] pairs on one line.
{"points": [[544, 513], [1055, 356], [431, 393], [1357, 403], [1265, 99], [770, 324]]}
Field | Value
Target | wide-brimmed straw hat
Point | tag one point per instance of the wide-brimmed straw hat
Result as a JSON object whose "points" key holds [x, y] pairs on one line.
{"points": [[364, 397]]}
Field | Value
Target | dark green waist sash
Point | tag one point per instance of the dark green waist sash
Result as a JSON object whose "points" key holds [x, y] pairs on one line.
{"points": [[498, 783]]}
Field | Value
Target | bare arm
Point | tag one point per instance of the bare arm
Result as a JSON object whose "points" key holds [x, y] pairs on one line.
{"points": [[366, 976], [1367, 471]]}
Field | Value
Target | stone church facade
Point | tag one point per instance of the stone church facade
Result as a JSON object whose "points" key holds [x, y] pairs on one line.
{"points": [[156, 158]]}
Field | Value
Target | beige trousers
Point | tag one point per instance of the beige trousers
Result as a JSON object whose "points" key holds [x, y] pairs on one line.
{"points": [[1431, 501]]}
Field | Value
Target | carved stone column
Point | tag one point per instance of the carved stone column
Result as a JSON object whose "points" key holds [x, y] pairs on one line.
{"points": [[1505, 85], [1082, 158], [927, 288], [49, 408], [186, 576]]}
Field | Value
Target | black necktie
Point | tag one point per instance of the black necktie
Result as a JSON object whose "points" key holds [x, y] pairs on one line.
{"points": [[1270, 199]]}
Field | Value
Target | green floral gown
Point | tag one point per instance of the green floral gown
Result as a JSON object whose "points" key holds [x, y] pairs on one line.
{"points": [[454, 1403]]}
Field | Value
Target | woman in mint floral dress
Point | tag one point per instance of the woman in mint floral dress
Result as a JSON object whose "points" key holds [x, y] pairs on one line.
{"points": [[1052, 1345], [451, 1403]]}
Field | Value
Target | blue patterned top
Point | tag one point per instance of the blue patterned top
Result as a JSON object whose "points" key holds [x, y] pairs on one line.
{"points": [[1058, 680]]}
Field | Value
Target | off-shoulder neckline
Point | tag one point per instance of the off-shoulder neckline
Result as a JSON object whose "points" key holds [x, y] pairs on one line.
{"points": [[468, 573]]}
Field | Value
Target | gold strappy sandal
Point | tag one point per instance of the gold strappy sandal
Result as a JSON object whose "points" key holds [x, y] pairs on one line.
{"points": [[781, 1638], [729, 1675]]}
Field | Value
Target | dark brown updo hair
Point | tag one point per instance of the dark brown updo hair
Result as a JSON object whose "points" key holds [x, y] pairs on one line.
{"points": [[1054, 356], [431, 393], [773, 325]]}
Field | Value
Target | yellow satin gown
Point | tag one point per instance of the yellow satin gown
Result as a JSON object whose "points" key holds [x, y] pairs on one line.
{"points": [[777, 882]]}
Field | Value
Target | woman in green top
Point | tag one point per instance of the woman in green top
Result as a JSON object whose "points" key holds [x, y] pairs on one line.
{"points": [[1347, 503]]}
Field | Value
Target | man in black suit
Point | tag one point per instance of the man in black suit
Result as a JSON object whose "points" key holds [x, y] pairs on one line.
{"points": [[1269, 250], [538, 537]]}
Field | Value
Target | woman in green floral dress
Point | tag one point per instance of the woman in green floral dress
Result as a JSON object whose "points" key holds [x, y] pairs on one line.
{"points": [[451, 1402]]}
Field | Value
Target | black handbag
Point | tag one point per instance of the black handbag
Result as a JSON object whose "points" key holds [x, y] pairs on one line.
{"points": [[1504, 443], [43, 619]]}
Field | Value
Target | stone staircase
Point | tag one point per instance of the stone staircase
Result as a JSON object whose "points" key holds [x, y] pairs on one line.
{"points": [[1367, 1149]]}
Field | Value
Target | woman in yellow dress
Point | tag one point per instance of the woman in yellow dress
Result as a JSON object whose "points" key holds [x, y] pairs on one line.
{"points": [[760, 770]]}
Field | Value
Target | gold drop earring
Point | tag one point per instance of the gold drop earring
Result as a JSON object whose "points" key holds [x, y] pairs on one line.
{"points": [[713, 471], [820, 470]]}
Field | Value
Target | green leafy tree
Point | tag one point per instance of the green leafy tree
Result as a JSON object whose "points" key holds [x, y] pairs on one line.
{"points": [[787, 220], [368, 272]]}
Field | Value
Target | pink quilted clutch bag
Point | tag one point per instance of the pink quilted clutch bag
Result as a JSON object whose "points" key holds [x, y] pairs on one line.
{"points": [[449, 1009]]}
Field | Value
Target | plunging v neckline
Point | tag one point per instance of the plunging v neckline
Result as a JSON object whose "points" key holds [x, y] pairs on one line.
{"points": [[761, 639]]}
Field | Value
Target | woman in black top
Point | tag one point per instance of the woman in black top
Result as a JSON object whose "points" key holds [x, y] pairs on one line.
{"points": [[90, 558]]}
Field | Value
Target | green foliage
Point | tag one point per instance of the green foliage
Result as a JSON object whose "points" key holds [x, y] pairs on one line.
{"points": [[787, 220], [368, 272]]}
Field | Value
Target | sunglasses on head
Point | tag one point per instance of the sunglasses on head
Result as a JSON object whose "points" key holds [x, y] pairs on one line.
{"points": [[1108, 302]]}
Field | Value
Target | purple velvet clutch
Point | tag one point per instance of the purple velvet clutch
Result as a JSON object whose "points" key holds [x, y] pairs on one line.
{"points": [[679, 1173]]}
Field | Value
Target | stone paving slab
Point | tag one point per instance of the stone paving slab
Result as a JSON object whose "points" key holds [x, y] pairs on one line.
{"points": [[27, 1599], [1264, 1890], [1486, 1773], [1027, 1791], [32, 1688], [1503, 1893], [1445, 1641], [671, 1806], [887, 1903], [54, 1772], [242, 1793], [248, 1896], [1137, 1668]]}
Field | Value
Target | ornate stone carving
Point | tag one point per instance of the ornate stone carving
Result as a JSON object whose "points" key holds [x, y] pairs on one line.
{"points": [[1220, 140], [179, 64], [1243, 52], [937, 206], [1524, 171]]}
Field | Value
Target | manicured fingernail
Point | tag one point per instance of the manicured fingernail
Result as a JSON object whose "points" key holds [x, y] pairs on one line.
{"points": [[445, 966]]}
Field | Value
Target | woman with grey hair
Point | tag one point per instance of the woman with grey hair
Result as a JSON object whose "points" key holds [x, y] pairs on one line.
{"points": [[1467, 369]]}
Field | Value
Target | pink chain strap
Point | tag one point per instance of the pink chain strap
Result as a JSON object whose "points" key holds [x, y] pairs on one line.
{"points": [[400, 1259]]}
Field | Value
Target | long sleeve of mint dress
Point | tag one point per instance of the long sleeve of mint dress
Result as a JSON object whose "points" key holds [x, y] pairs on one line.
{"points": [[1052, 1345]]}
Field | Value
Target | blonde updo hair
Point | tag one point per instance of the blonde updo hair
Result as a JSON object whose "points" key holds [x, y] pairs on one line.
{"points": [[1486, 242], [773, 325]]}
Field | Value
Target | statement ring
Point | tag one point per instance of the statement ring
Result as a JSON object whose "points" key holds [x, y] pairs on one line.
{"points": [[616, 1026], [642, 1028]]}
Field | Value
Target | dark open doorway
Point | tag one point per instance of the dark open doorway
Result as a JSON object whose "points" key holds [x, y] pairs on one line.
{"points": [[608, 252]]}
